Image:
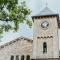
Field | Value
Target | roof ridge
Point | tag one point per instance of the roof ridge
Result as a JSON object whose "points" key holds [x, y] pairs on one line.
{"points": [[13, 41]]}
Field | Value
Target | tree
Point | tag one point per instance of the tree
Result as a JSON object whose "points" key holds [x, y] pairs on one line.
{"points": [[10, 11]]}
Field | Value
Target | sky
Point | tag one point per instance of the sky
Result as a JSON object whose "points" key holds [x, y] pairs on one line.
{"points": [[35, 6]]}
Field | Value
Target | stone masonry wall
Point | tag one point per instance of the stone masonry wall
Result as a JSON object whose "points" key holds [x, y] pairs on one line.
{"points": [[20, 47]]}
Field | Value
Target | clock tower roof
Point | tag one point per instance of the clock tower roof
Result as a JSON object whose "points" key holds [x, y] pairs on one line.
{"points": [[45, 11]]}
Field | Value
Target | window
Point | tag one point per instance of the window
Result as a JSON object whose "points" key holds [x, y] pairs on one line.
{"points": [[28, 57], [17, 57], [22, 57], [44, 47], [12, 57]]}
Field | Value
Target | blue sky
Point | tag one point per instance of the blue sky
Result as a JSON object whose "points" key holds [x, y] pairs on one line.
{"points": [[36, 6]]}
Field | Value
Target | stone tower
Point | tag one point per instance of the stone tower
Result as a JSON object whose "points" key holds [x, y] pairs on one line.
{"points": [[45, 36]]}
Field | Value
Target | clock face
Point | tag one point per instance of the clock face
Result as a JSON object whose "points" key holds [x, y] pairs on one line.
{"points": [[45, 24]]}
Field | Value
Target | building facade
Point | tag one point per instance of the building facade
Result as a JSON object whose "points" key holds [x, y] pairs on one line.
{"points": [[18, 49], [45, 43], [45, 40]]}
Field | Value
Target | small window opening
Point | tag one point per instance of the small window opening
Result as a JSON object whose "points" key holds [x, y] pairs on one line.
{"points": [[28, 57], [12, 57], [44, 47], [22, 57]]}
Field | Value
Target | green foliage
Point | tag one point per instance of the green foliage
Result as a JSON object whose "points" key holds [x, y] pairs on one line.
{"points": [[1, 30], [6, 27], [11, 11], [29, 23]]}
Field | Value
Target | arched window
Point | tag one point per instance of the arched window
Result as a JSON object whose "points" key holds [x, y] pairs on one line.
{"points": [[28, 57], [12, 57], [22, 57], [44, 47], [17, 57]]}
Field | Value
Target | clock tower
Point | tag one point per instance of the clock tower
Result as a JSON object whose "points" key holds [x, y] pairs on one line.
{"points": [[45, 35]]}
